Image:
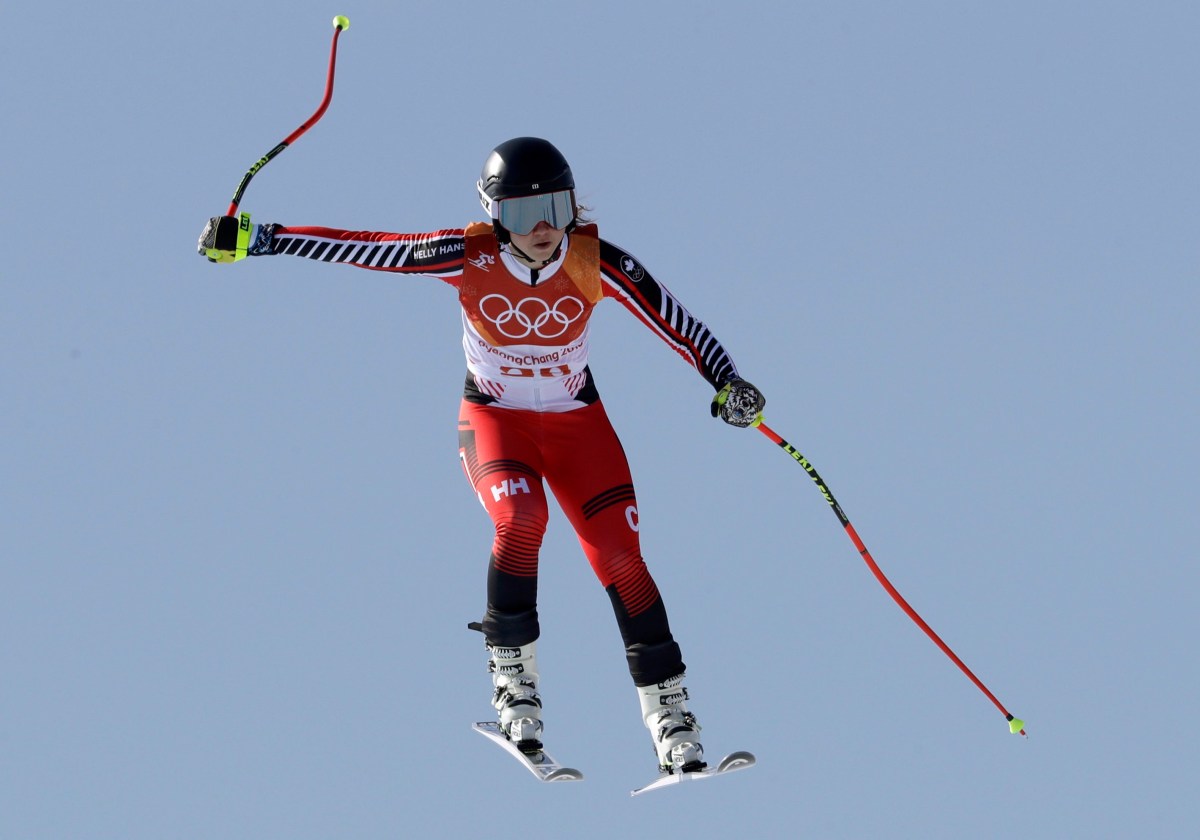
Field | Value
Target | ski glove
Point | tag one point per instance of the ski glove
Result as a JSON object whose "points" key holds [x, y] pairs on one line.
{"points": [[226, 239], [739, 403]]}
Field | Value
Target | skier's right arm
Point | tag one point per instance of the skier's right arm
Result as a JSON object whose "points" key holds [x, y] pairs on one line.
{"points": [[439, 253]]}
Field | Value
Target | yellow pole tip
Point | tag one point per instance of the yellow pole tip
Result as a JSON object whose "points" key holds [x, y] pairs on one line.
{"points": [[1016, 726], [341, 22]]}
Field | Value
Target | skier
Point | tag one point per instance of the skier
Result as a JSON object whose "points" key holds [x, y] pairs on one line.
{"points": [[531, 413]]}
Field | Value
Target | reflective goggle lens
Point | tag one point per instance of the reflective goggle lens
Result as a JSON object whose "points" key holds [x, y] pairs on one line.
{"points": [[521, 215]]}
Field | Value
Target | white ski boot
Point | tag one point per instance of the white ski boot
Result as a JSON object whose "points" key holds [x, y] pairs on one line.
{"points": [[516, 698], [672, 727]]}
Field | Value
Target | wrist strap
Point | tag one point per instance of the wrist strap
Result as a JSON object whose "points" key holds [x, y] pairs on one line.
{"points": [[243, 238]]}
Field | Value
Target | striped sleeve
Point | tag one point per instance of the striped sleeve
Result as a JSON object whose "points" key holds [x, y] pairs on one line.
{"points": [[626, 280], [437, 254]]}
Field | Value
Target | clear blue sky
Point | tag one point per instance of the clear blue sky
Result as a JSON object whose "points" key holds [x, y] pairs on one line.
{"points": [[954, 244]]}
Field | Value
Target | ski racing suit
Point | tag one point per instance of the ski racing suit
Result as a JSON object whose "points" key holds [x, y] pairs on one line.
{"points": [[531, 415]]}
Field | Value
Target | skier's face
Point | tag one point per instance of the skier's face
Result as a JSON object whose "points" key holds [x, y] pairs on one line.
{"points": [[541, 242]]}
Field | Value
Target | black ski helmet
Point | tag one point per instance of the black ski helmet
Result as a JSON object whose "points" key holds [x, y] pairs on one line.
{"points": [[519, 167]]}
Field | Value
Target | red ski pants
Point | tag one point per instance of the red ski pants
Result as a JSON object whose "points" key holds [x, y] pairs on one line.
{"points": [[510, 456]]}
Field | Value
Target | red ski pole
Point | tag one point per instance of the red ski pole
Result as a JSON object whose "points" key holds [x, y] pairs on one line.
{"points": [[1015, 725], [340, 23]]}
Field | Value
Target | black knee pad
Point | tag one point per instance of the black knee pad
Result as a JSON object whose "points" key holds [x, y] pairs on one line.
{"points": [[651, 664], [508, 629]]}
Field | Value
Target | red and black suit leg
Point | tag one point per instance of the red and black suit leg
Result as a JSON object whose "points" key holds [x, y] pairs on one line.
{"points": [[586, 468], [503, 463]]}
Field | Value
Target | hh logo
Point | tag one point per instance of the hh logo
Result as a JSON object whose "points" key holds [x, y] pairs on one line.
{"points": [[509, 487], [483, 262]]}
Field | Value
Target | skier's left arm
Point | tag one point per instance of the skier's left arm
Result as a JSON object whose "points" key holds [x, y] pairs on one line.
{"points": [[736, 401]]}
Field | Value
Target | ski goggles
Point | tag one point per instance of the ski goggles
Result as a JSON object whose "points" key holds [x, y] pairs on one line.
{"points": [[522, 215]]}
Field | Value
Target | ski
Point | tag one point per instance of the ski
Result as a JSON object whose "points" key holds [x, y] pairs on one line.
{"points": [[740, 760], [541, 764]]}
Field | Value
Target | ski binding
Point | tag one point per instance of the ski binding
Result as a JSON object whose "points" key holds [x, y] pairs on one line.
{"points": [[740, 760], [541, 764]]}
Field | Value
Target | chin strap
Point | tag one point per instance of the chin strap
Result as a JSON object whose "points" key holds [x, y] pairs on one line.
{"points": [[533, 271], [512, 247]]}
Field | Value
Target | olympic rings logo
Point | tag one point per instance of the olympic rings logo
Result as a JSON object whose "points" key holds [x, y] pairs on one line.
{"points": [[531, 316]]}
